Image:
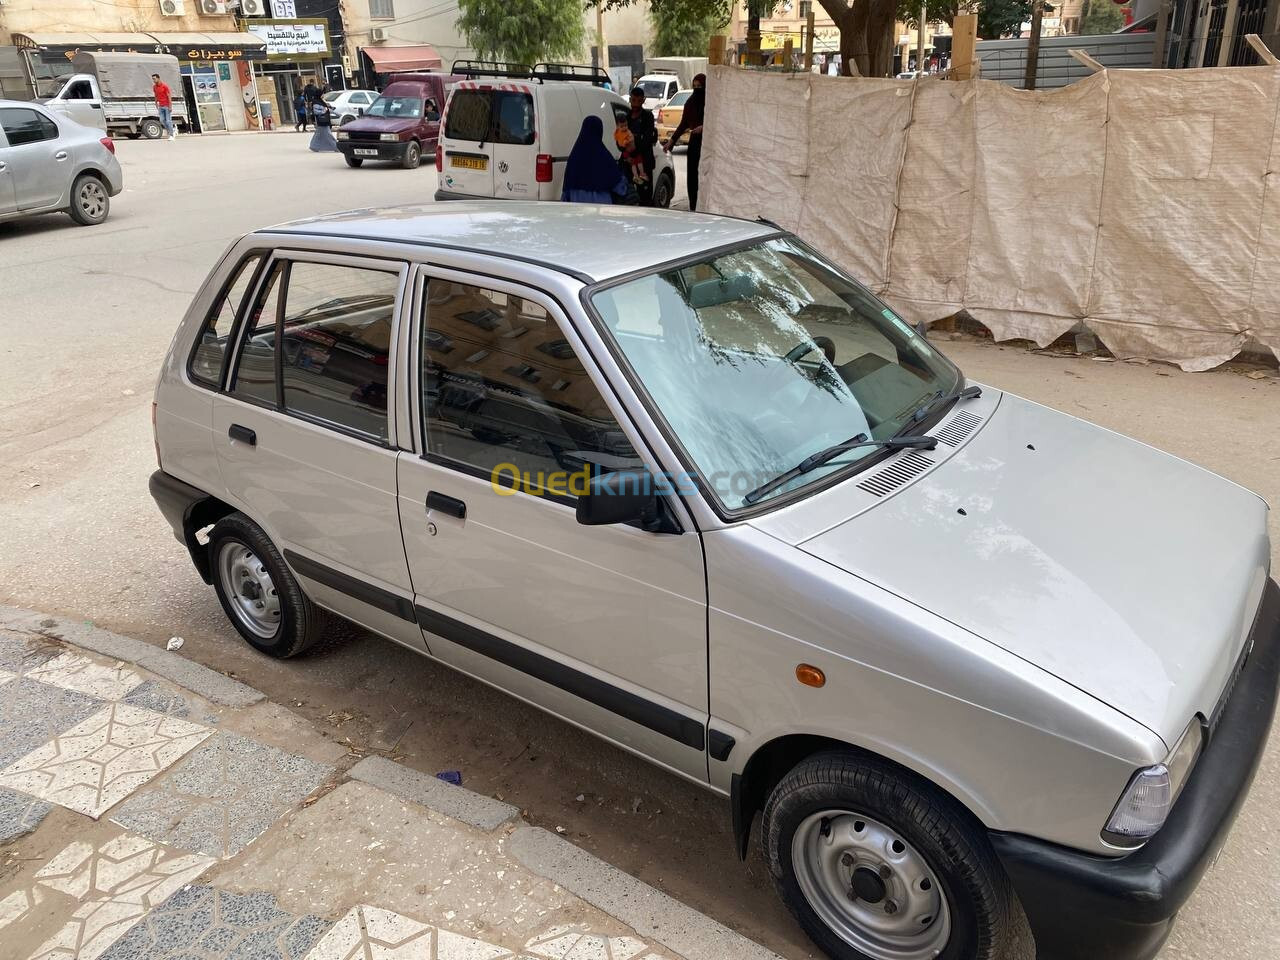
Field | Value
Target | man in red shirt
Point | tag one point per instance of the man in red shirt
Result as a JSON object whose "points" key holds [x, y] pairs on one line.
{"points": [[164, 101]]}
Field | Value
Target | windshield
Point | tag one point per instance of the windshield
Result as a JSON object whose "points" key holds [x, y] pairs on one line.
{"points": [[761, 357], [407, 108], [679, 99], [653, 89], [332, 96]]}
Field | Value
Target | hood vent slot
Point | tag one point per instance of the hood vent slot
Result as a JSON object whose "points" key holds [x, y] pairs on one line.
{"points": [[960, 427], [906, 467]]}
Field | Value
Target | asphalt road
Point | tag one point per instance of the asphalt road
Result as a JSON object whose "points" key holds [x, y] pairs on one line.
{"points": [[85, 317]]}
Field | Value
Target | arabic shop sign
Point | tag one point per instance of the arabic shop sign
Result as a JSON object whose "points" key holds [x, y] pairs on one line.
{"points": [[292, 39]]}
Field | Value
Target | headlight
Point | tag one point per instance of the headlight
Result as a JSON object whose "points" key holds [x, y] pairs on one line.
{"points": [[343, 136], [1147, 800], [393, 137]]}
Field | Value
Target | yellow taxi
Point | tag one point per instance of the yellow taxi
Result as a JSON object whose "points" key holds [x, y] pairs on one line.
{"points": [[669, 116]]}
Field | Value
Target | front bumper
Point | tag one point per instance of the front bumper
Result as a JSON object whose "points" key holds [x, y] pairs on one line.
{"points": [[384, 151], [1083, 907]]}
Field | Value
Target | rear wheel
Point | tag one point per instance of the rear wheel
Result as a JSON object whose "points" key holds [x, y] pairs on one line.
{"points": [[90, 202], [664, 190], [877, 865], [412, 155], [353, 161], [257, 591], [151, 128]]}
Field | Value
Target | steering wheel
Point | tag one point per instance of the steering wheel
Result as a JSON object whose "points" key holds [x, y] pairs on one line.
{"points": [[802, 350]]}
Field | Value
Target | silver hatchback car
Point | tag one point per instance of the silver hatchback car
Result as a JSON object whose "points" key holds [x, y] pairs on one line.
{"points": [[677, 479], [50, 163]]}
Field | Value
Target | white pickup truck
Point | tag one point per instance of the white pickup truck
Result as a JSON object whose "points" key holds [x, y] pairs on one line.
{"points": [[114, 92]]}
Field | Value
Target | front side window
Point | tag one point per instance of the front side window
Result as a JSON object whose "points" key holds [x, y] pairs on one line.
{"points": [[502, 386], [80, 90], [399, 108], [761, 357], [23, 125], [211, 346]]}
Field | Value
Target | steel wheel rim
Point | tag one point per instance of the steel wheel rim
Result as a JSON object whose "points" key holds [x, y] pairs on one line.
{"points": [[870, 887], [249, 589], [92, 199]]}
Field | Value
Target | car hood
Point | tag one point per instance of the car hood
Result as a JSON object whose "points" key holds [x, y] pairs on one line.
{"points": [[379, 125], [1124, 571]]}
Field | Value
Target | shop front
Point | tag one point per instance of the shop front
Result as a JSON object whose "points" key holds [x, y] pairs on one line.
{"points": [[295, 55]]}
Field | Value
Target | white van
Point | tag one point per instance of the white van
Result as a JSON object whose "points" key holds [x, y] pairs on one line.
{"points": [[507, 132]]}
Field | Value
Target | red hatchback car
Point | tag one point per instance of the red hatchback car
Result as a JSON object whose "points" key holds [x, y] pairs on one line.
{"points": [[402, 124]]}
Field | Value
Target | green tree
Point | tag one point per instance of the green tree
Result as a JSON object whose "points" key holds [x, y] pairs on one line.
{"points": [[523, 31], [1101, 16], [683, 28], [997, 18]]}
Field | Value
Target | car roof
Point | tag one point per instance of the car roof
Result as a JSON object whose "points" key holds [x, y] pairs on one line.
{"points": [[586, 241]]}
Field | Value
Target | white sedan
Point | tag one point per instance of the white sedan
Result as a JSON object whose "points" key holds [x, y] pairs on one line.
{"points": [[349, 104]]}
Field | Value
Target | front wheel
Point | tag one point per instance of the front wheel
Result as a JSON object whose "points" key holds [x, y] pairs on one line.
{"points": [[663, 192], [353, 161], [412, 155], [877, 865]]}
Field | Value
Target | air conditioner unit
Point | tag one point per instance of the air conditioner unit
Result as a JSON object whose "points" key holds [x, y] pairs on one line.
{"points": [[253, 8], [213, 8], [173, 8], [377, 34]]}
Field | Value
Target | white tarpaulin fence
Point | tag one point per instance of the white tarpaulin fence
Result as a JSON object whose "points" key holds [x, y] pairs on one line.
{"points": [[1144, 203]]}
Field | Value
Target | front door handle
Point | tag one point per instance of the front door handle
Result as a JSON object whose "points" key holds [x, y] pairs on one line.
{"points": [[95, 106], [243, 434], [451, 506], [3, 166]]}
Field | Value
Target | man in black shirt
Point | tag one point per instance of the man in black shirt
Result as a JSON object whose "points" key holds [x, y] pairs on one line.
{"points": [[691, 120]]}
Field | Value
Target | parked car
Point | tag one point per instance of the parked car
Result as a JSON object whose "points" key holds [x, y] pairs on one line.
{"points": [[669, 117], [115, 92], [347, 105], [50, 163], [681, 481], [400, 125], [508, 135], [658, 88]]}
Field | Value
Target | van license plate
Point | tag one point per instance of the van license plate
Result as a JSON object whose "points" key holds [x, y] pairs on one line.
{"points": [[365, 152], [470, 163]]}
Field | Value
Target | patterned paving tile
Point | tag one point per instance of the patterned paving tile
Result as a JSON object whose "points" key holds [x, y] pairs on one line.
{"points": [[223, 796], [153, 695], [17, 905], [74, 672], [580, 943], [101, 760], [20, 814], [32, 714], [117, 885], [205, 923]]}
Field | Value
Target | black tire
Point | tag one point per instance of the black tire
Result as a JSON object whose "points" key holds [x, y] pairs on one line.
{"points": [[663, 192], [412, 155], [151, 128], [301, 623], [90, 201], [356, 162], [952, 844]]}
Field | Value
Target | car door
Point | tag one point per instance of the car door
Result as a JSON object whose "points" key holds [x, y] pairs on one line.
{"points": [[604, 626], [468, 141], [8, 201], [83, 105], [39, 160], [303, 437], [515, 146]]}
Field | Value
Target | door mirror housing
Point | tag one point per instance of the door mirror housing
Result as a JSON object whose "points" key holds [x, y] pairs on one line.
{"points": [[625, 496]]}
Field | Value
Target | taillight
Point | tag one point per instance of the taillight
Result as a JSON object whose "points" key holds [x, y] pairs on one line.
{"points": [[439, 157], [542, 168], [108, 143], [155, 434]]}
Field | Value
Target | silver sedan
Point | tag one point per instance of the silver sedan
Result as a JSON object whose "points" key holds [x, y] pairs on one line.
{"points": [[49, 163]]}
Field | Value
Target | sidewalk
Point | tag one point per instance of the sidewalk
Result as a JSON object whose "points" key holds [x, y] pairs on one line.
{"points": [[152, 808]]}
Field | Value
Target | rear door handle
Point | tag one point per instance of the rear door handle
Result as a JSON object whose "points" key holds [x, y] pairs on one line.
{"points": [[243, 434], [60, 155], [451, 506]]}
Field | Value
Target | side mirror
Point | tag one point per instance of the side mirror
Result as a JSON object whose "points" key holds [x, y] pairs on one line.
{"points": [[624, 496]]}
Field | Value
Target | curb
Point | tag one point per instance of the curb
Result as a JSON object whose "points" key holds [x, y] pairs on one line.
{"points": [[649, 912]]}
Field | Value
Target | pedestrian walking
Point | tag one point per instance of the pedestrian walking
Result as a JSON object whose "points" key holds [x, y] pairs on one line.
{"points": [[164, 103], [644, 133], [300, 111], [691, 121], [322, 140], [592, 175], [311, 93]]}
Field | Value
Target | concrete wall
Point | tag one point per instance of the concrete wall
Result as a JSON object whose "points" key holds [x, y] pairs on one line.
{"points": [[94, 16]]}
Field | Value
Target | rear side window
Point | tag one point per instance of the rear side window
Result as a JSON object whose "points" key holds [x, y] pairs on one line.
{"points": [[211, 347], [23, 125], [491, 116]]}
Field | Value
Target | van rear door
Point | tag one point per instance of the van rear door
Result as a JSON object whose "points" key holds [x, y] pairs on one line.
{"points": [[515, 146], [467, 148]]}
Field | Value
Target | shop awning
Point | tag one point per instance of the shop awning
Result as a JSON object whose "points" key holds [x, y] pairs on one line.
{"points": [[394, 59], [184, 46]]}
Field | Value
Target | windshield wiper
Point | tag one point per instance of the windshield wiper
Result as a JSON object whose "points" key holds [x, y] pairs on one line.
{"points": [[938, 400], [830, 453]]}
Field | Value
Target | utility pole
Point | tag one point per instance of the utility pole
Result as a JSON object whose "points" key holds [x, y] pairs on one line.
{"points": [[1033, 45], [924, 14], [808, 39], [602, 54]]}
